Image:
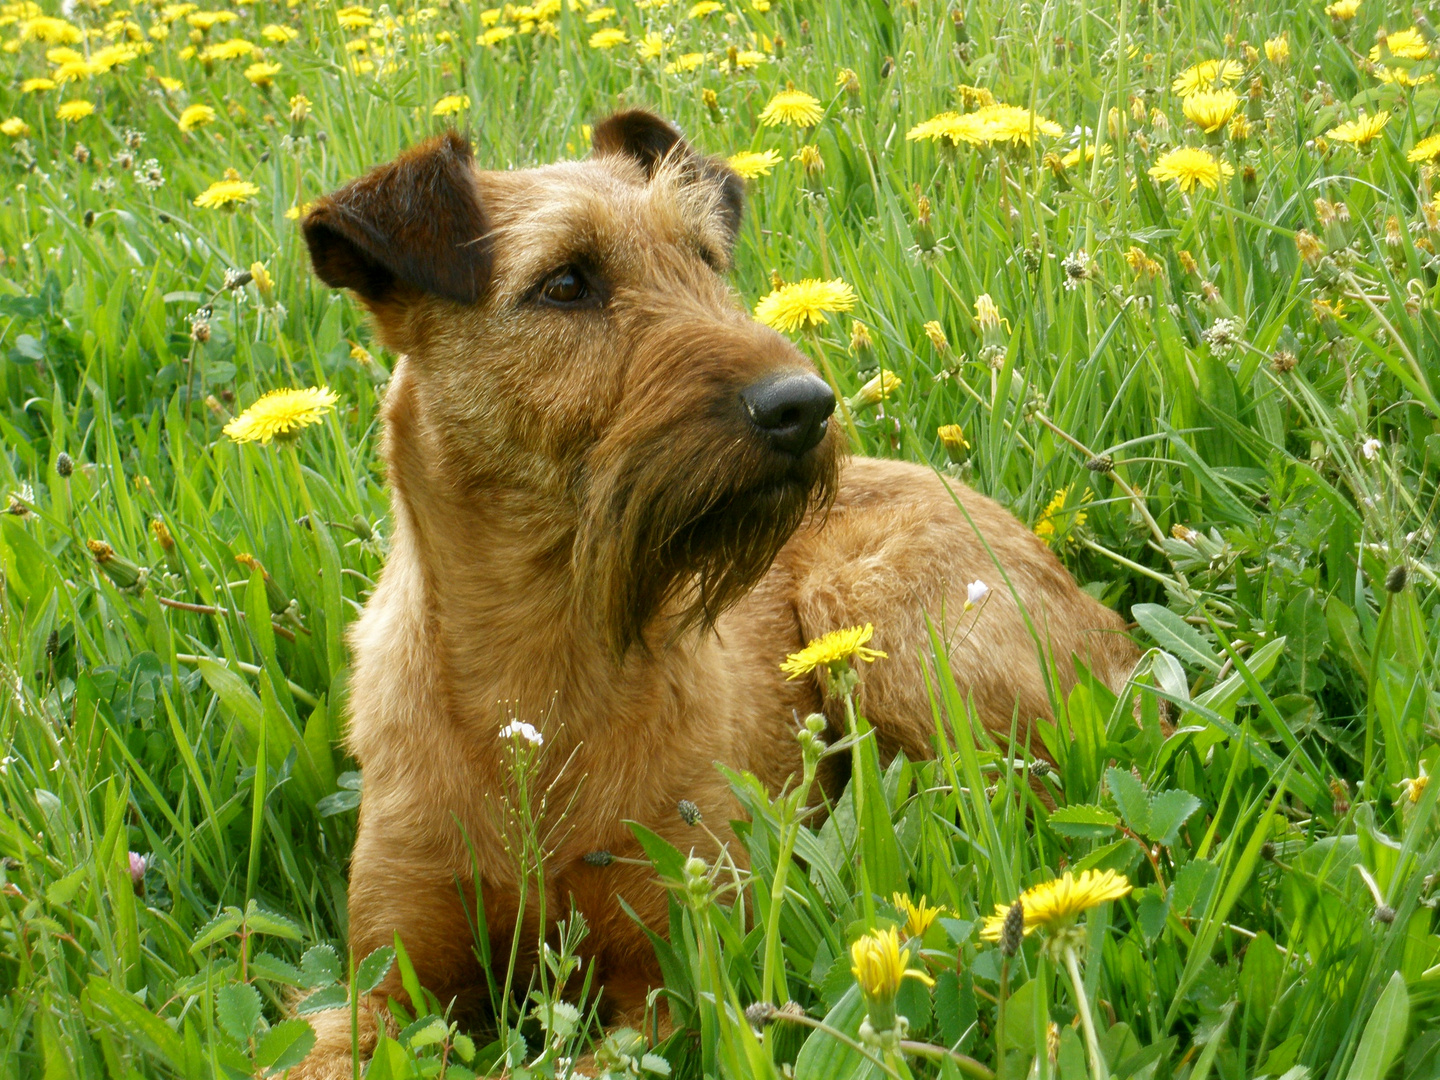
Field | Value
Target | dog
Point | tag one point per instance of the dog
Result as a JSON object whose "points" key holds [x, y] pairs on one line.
{"points": [[619, 503]]}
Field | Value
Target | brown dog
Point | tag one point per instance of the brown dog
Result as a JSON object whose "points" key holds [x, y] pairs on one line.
{"points": [[605, 481]]}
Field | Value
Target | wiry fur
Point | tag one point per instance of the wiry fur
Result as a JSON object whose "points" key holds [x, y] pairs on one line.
{"points": [[589, 536]]}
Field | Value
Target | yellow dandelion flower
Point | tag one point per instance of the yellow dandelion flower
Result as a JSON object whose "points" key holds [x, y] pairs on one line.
{"points": [[608, 38], [879, 965], [279, 35], [750, 164], [1277, 50], [793, 107], [802, 303], [1361, 131], [74, 110], [1055, 904], [1189, 166], [599, 15], [748, 59], [1406, 44], [281, 414], [1012, 124], [234, 49], [956, 127], [112, 56], [703, 8], [686, 62], [208, 20], [1427, 149], [490, 16], [14, 127], [1072, 159], [260, 275], [73, 71], [952, 439], [919, 915], [37, 86], [354, 17], [196, 116], [226, 192], [51, 31], [1206, 75], [63, 54], [168, 84], [262, 74], [651, 46], [1056, 521], [496, 34], [936, 333], [1402, 77], [1343, 10], [835, 648], [1210, 110], [451, 104], [295, 213], [175, 12]]}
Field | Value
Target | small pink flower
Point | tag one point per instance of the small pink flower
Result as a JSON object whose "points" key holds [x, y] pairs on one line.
{"points": [[138, 865]]}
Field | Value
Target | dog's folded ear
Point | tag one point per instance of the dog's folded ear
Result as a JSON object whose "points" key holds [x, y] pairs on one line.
{"points": [[415, 223], [652, 141]]}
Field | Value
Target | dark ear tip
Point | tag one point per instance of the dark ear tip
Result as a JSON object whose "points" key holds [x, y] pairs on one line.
{"points": [[638, 133]]}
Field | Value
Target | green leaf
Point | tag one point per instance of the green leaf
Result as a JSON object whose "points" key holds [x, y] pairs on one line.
{"points": [[1168, 811], [320, 966], [431, 1034], [237, 1009], [329, 997], [268, 966], [62, 892], [654, 1064], [1083, 821], [1131, 797], [1175, 635], [373, 969], [285, 1045], [222, 926], [153, 1033], [464, 1046], [1384, 1036], [260, 921], [668, 861]]}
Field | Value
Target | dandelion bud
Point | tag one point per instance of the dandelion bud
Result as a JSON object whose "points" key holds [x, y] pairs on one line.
{"points": [[1249, 184], [1396, 578], [264, 283], [887, 67], [811, 161], [923, 231], [274, 595], [1340, 796], [850, 82], [1052, 1043], [777, 47], [936, 333], [697, 880], [952, 438], [1187, 261], [299, 110], [711, 101], [875, 391], [1056, 164], [689, 812], [1239, 130], [1395, 240], [1252, 55], [860, 341], [957, 23], [1012, 932], [1309, 246], [124, 573], [64, 465], [776, 281], [1326, 314], [1184, 533]]}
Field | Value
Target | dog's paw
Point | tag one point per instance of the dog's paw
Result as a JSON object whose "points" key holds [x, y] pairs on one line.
{"points": [[333, 1055]]}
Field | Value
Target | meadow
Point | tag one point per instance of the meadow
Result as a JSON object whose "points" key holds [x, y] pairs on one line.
{"points": [[1160, 277]]}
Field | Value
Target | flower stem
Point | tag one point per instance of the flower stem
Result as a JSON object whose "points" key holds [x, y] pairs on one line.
{"points": [[857, 796], [1098, 1069]]}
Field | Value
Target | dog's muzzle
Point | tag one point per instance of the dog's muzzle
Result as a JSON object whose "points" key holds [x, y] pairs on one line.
{"points": [[790, 412]]}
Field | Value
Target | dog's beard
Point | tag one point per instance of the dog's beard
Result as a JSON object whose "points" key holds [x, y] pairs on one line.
{"points": [[674, 540]]}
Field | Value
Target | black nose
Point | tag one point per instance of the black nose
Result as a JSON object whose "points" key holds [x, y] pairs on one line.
{"points": [[791, 411]]}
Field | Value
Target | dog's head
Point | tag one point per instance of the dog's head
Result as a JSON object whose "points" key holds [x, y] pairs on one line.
{"points": [[569, 333]]}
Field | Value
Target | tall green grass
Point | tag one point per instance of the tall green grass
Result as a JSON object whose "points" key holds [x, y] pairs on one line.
{"points": [[1220, 487]]}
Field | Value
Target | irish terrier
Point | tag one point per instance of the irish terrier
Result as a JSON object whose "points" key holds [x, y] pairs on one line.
{"points": [[618, 504]]}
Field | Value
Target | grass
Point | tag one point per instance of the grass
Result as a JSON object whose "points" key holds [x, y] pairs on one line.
{"points": [[1218, 405]]}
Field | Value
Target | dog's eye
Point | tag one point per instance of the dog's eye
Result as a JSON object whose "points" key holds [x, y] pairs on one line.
{"points": [[567, 287]]}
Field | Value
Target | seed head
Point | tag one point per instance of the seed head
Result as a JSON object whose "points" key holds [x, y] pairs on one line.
{"points": [[1104, 463], [760, 1014], [597, 858], [1267, 851], [64, 465], [1039, 769], [1395, 579], [1385, 914], [1283, 361], [689, 812]]}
